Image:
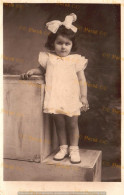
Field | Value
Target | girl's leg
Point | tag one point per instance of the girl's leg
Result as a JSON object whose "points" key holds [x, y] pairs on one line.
{"points": [[60, 128], [73, 130], [61, 132]]}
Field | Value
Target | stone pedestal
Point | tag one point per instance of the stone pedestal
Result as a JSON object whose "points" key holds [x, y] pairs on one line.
{"points": [[29, 134], [88, 170]]}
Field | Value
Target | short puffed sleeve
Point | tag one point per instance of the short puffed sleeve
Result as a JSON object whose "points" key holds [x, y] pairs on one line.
{"points": [[80, 63], [42, 59]]}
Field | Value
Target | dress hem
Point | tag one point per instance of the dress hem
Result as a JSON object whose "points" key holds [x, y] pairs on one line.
{"points": [[61, 112]]}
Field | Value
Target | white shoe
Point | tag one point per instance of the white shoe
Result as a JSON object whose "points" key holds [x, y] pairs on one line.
{"points": [[74, 154], [62, 153]]}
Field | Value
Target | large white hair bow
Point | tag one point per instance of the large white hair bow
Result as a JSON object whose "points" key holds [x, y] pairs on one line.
{"points": [[55, 24]]}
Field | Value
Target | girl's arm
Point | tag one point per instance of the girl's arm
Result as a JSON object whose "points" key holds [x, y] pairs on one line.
{"points": [[36, 71], [82, 83], [83, 89]]}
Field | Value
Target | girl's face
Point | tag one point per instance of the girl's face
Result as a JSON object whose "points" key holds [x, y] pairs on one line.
{"points": [[62, 46]]}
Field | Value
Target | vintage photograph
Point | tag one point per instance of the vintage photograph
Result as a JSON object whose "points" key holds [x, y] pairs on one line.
{"points": [[62, 92]]}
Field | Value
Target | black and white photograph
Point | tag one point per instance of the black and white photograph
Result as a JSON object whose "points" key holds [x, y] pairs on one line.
{"points": [[62, 106]]}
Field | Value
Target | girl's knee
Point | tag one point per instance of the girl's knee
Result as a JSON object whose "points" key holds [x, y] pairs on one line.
{"points": [[72, 122], [72, 125], [59, 120]]}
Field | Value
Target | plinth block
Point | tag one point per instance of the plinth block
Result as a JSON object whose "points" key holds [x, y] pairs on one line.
{"points": [[88, 170], [29, 134]]}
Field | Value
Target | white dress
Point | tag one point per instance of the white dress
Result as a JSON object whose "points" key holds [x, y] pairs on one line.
{"points": [[62, 90]]}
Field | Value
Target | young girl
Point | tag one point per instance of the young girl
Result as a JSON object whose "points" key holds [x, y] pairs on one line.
{"points": [[65, 87]]}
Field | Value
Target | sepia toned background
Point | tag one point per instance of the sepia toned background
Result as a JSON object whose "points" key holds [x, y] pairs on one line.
{"points": [[98, 39]]}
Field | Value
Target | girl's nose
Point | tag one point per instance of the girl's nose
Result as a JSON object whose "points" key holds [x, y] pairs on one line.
{"points": [[63, 46]]}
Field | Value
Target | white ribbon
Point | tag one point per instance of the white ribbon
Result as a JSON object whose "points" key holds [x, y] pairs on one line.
{"points": [[55, 24]]}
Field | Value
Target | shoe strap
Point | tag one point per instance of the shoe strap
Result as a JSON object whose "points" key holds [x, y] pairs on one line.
{"points": [[73, 149], [63, 148]]}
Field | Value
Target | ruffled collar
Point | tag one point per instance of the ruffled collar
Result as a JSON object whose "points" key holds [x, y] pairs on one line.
{"points": [[59, 57]]}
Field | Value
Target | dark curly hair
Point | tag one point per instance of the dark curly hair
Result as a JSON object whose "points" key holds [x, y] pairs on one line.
{"points": [[64, 32]]}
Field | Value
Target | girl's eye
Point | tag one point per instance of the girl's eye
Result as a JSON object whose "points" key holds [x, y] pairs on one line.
{"points": [[60, 43], [67, 43]]}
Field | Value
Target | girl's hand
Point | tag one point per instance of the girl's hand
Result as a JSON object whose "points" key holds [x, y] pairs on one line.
{"points": [[85, 105], [27, 75]]}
